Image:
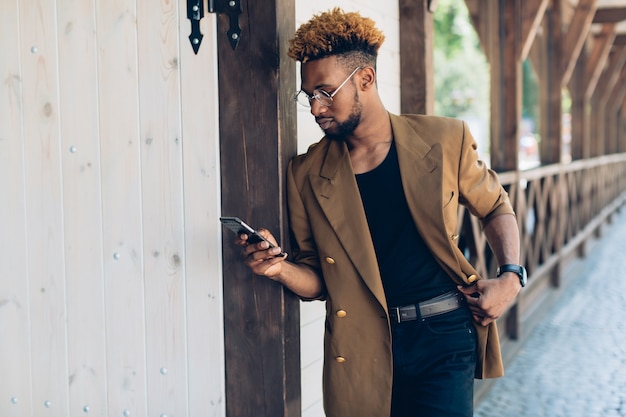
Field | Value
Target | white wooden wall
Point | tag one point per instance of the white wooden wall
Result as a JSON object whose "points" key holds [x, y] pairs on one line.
{"points": [[110, 262], [386, 16]]}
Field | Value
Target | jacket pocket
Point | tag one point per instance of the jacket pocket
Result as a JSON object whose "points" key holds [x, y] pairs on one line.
{"points": [[450, 212], [446, 202]]}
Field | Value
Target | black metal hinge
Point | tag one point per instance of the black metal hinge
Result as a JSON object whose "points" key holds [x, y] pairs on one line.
{"points": [[195, 12]]}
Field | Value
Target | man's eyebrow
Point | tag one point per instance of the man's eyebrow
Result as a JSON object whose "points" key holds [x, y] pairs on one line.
{"points": [[320, 86]]}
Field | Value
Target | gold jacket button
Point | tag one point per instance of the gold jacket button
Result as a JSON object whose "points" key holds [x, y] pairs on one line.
{"points": [[330, 260], [340, 359], [342, 313], [472, 278]]}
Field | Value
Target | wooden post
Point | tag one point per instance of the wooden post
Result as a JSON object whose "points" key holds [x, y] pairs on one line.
{"points": [[257, 138], [579, 142], [596, 127], [611, 124], [417, 95], [550, 94], [506, 82], [606, 86], [550, 97], [574, 74], [615, 100], [621, 129], [504, 44]]}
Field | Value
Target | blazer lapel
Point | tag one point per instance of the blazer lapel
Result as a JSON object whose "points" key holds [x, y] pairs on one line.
{"points": [[338, 195], [421, 169]]}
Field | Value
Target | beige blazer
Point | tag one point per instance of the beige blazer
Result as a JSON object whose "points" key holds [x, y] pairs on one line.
{"points": [[440, 169]]}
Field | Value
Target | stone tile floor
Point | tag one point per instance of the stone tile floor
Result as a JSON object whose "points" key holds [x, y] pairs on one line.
{"points": [[573, 364]]}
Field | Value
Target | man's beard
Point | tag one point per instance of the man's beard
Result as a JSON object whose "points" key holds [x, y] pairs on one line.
{"points": [[344, 129]]}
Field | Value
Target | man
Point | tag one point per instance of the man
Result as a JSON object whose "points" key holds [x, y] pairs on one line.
{"points": [[373, 213]]}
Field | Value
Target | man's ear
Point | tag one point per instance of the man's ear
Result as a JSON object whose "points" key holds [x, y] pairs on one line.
{"points": [[368, 78]]}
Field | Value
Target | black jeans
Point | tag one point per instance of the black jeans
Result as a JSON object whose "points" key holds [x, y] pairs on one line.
{"points": [[434, 361]]}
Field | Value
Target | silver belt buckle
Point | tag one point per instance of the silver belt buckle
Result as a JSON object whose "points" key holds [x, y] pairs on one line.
{"points": [[397, 311]]}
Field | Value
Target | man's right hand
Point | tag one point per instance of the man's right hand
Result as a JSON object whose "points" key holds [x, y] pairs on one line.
{"points": [[265, 261], [260, 258]]}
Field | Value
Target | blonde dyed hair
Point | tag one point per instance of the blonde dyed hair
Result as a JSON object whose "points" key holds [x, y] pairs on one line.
{"points": [[336, 33]]}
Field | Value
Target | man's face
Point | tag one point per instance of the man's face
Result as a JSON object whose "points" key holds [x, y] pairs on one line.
{"points": [[340, 119]]}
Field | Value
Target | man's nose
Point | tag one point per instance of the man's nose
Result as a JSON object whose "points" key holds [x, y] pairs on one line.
{"points": [[317, 108]]}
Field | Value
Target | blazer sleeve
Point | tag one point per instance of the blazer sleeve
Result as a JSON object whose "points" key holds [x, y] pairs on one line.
{"points": [[303, 247], [479, 187]]}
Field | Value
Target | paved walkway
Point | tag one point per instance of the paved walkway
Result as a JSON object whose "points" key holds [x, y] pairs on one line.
{"points": [[574, 363]]}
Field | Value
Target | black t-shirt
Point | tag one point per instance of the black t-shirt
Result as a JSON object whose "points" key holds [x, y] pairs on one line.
{"points": [[409, 271]]}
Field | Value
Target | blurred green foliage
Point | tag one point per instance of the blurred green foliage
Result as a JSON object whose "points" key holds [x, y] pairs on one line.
{"points": [[461, 69]]}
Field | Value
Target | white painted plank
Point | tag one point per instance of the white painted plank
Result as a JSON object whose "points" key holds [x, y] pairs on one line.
{"points": [[121, 207], [44, 210], [159, 100], [312, 342], [15, 389], [314, 410], [202, 228], [311, 311], [80, 156], [311, 388]]}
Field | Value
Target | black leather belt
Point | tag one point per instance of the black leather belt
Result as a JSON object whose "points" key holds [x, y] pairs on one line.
{"points": [[441, 304]]}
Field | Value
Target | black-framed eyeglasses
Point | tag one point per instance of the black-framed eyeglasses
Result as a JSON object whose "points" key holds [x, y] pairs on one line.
{"points": [[323, 97]]}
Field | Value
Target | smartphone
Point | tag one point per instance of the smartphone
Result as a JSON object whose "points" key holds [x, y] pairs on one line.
{"points": [[239, 227]]}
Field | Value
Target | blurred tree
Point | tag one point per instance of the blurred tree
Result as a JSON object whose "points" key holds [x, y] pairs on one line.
{"points": [[461, 69], [448, 38], [530, 93]]}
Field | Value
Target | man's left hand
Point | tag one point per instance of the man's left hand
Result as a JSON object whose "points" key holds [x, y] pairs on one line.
{"points": [[488, 299]]}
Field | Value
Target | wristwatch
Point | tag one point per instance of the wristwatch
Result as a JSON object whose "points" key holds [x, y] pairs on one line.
{"points": [[518, 269]]}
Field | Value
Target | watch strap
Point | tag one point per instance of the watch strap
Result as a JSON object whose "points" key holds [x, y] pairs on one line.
{"points": [[518, 269], [509, 268]]}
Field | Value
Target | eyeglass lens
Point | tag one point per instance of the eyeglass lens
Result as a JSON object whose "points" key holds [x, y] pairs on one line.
{"points": [[322, 97]]}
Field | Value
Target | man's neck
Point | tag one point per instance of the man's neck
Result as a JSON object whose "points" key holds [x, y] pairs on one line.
{"points": [[370, 143], [372, 130]]}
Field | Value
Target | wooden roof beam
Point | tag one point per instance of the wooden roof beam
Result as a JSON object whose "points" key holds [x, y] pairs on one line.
{"points": [[574, 40], [532, 15], [612, 15], [481, 26], [617, 59], [598, 57], [620, 40]]}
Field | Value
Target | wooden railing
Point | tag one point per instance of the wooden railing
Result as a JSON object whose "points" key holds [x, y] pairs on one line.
{"points": [[559, 207]]}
